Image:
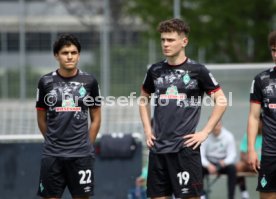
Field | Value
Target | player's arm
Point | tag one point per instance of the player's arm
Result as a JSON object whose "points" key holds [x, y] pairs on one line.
{"points": [[42, 121], [252, 131], [145, 114], [95, 117], [220, 104]]}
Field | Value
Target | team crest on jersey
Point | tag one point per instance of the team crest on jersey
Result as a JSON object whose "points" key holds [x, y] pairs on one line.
{"points": [[82, 91], [186, 79]]}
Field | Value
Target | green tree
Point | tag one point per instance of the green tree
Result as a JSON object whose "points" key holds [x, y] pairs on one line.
{"points": [[228, 31]]}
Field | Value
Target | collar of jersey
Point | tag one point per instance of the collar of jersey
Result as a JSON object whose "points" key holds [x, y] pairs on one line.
{"points": [[67, 77], [177, 64]]}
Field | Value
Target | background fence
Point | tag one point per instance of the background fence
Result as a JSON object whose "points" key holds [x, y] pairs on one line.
{"points": [[19, 117], [114, 48]]}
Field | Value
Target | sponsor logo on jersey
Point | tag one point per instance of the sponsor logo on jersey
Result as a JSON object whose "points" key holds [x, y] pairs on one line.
{"points": [[172, 93], [272, 106], [68, 109], [172, 90], [180, 96], [37, 94], [68, 105], [252, 87], [213, 79]]}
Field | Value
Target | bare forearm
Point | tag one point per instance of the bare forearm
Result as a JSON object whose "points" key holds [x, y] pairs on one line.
{"points": [[217, 113], [42, 122], [43, 128], [252, 132], [253, 125], [145, 115], [93, 131], [95, 114]]}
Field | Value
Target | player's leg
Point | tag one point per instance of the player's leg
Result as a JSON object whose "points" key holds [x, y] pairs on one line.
{"points": [[230, 171], [51, 181], [80, 177], [83, 198], [264, 195], [158, 181], [267, 178], [185, 172], [242, 166], [51, 198]]}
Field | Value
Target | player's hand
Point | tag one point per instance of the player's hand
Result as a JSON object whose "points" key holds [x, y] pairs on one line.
{"points": [[195, 139], [150, 139], [253, 161], [212, 169], [222, 163]]}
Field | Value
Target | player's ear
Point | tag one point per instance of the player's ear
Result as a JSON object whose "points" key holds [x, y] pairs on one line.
{"points": [[185, 41], [56, 56]]}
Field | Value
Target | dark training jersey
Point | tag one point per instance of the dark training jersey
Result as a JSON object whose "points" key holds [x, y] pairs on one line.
{"points": [[178, 93], [67, 102], [263, 92]]}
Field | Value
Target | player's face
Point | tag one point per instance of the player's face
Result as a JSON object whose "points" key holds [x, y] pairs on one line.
{"points": [[273, 52], [68, 57], [172, 43]]}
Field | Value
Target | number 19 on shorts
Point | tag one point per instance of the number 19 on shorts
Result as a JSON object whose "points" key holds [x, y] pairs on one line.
{"points": [[183, 177]]}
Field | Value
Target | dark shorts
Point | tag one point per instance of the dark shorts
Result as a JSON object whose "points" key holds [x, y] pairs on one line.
{"points": [[56, 173], [175, 173], [267, 174]]}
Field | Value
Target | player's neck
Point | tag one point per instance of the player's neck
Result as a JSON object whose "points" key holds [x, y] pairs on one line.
{"points": [[176, 60], [67, 73]]}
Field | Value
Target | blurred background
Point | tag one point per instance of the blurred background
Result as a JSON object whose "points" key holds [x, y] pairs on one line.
{"points": [[119, 41]]}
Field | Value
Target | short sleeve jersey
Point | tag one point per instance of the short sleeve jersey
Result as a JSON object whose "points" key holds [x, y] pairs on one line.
{"points": [[67, 102], [178, 93], [263, 92]]}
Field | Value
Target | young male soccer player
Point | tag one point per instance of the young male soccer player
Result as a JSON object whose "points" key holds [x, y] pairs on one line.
{"points": [[65, 99], [263, 99], [179, 84]]}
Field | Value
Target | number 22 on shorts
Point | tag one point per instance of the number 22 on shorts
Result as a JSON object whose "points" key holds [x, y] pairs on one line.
{"points": [[85, 176]]}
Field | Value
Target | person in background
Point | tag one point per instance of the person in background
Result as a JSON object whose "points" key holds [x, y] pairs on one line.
{"points": [[218, 154], [139, 192], [242, 165], [66, 98], [263, 100]]}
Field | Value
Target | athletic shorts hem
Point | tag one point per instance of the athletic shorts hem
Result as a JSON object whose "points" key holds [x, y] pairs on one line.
{"points": [[188, 195], [48, 196]]}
